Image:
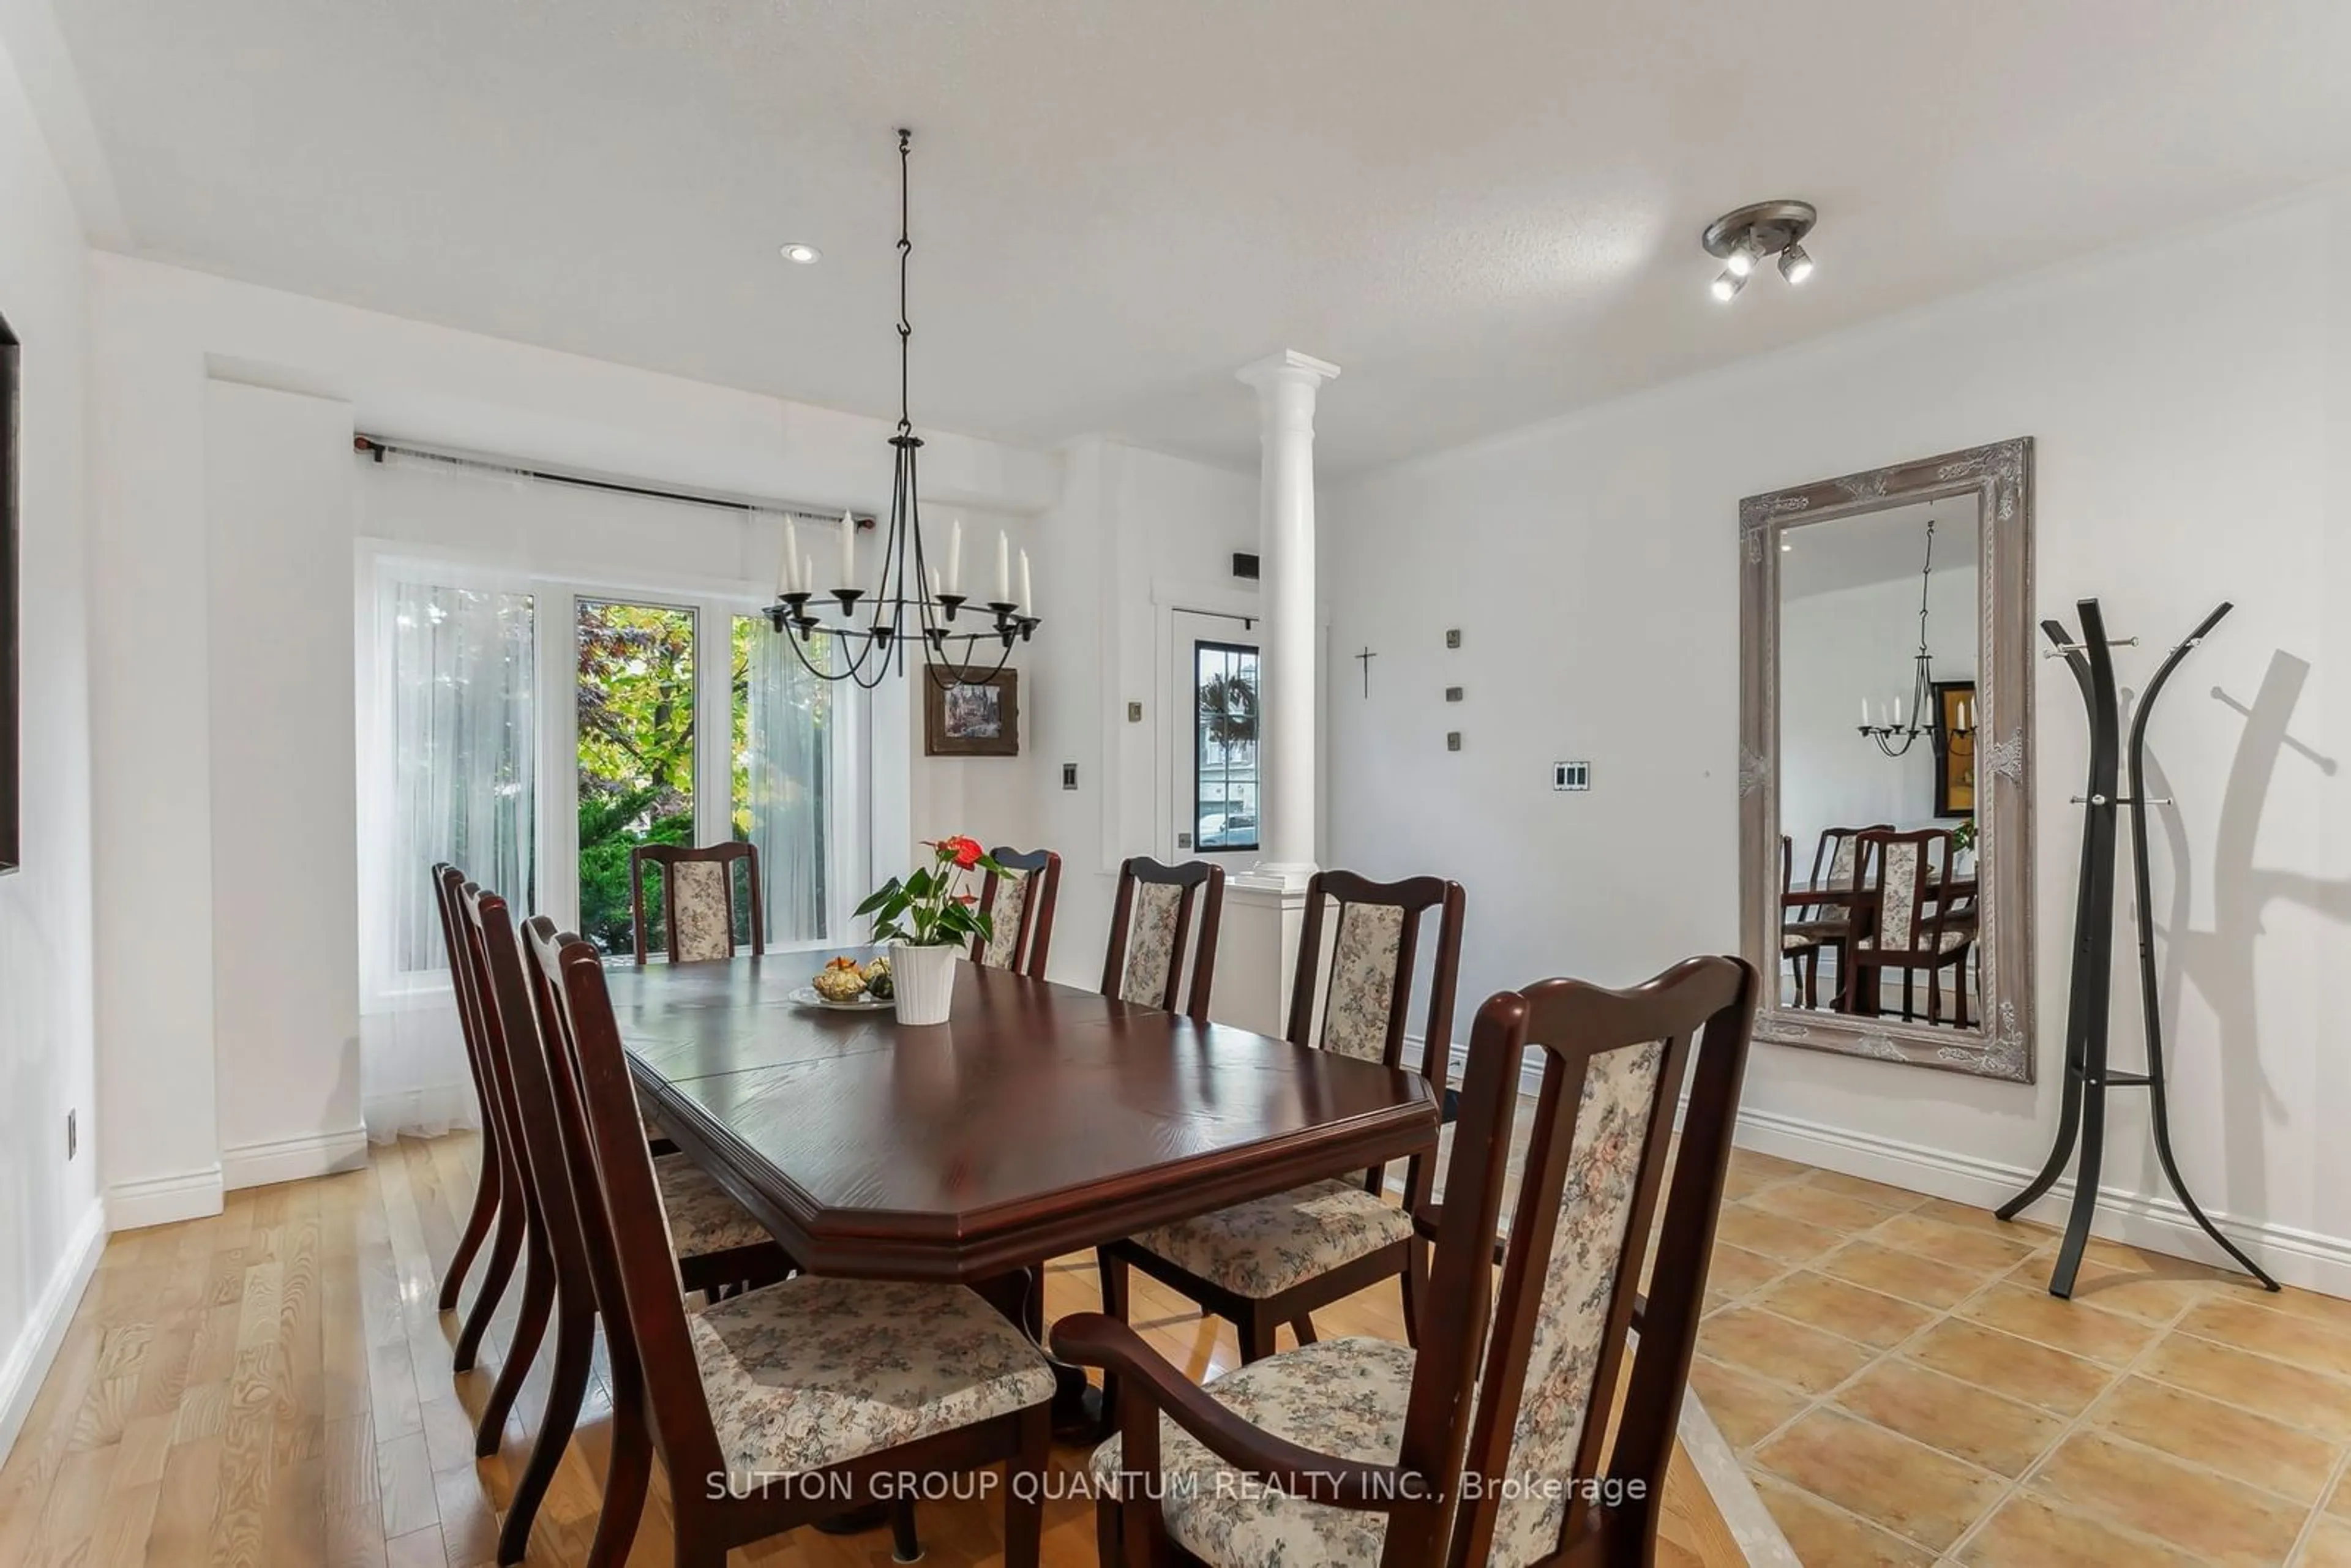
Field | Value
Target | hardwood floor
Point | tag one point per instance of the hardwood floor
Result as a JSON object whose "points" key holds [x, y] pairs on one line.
{"points": [[272, 1385]]}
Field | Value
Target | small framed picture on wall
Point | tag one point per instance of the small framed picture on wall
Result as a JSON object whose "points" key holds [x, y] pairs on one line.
{"points": [[974, 715], [1955, 765]]}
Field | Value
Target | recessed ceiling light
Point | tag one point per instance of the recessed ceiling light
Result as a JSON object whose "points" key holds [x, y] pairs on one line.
{"points": [[806, 255]]}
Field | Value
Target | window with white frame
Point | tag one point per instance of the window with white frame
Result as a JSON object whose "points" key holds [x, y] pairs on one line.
{"points": [[535, 733]]}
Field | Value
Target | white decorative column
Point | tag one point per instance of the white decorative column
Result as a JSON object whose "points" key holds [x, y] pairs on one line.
{"points": [[1266, 904]]}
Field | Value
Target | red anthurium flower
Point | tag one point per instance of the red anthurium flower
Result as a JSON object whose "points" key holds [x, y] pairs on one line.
{"points": [[966, 851]]}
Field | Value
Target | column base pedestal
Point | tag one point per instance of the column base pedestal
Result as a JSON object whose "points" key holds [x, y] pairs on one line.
{"points": [[1265, 909]]}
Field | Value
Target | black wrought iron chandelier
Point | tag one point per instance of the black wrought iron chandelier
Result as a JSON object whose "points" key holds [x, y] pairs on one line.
{"points": [[865, 634], [1893, 734]]}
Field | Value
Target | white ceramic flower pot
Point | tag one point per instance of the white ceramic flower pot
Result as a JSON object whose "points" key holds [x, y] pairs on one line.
{"points": [[924, 979]]}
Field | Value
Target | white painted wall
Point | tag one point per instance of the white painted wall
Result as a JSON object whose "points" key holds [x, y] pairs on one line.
{"points": [[201, 494], [2192, 405], [278, 502], [1133, 535], [50, 1225]]}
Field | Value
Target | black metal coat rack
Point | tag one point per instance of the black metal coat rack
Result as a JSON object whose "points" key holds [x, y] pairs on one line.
{"points": [[2088, 1076]]}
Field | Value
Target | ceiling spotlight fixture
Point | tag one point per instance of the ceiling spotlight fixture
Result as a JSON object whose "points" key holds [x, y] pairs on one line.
{"points": [[1742, 239], [806, 255]]}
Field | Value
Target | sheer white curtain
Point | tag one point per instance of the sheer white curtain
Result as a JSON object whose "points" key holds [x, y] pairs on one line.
{"points": [[789, 787], [452, 775]]}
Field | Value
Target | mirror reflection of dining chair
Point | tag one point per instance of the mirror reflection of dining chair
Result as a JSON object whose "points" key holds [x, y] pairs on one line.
{"points": [[1800, 947], [1824, 912], [1911, 921]]}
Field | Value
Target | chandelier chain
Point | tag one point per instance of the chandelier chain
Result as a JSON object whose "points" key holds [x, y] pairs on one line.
{"points": [[868, 652]]}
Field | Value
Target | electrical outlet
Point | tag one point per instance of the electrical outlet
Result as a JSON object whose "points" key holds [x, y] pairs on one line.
{"points": [[1134, 713], [1452, 740], [73, 1133], [1068, 775], [1453, 637], [1571, 775]]}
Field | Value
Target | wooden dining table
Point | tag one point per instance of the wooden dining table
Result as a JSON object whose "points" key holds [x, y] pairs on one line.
{"points": [[1039, 1120]]}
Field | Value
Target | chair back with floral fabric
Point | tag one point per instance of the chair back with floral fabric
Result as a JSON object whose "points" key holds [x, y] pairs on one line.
{"points": [[1018, 905], [1149, 926], [697, 891], [1364, 1001], [652, 1351], [1899, 876], [1602, 1141]]}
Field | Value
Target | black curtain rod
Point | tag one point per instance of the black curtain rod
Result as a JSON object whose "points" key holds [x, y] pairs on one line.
{"points": [[372, 447]]}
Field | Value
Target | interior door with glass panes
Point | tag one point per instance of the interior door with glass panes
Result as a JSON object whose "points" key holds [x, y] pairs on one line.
{"points": [[1212, 733]]}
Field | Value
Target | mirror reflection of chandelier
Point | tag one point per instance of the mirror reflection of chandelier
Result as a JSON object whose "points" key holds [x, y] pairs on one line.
{"points": [[1895, 732]]}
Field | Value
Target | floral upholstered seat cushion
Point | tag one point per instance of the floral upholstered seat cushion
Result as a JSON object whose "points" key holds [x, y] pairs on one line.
{"points": [[702, 1217], [814, 1372], [1346, 1398], [1262, 1248]]}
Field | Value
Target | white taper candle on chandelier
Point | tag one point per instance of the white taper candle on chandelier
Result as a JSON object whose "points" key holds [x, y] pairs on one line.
{"points": [[1864, 713], [808, 573], [848, 551], [1003, 567], [1897, 712], [954, 557], [1028, 594], [786, 580]]}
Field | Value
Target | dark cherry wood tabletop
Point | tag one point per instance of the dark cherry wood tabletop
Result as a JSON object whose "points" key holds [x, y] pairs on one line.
{"points": [[1039, 1120]]}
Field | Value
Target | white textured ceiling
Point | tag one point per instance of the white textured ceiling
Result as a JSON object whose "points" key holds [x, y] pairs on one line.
{"points": [[1485, 210]]}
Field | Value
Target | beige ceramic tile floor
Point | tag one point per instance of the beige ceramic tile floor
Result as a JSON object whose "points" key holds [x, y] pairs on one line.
{"points": [[1903, 1390]]}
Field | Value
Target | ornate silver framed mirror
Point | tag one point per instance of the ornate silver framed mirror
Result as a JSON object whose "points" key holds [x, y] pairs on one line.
{"points": [[1886, 732]]}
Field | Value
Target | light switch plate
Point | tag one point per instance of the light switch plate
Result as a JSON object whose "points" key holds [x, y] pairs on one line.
{"points": [[1452, 741], [1068, 775], [1453, 694], [1570, 776], [1134, 713], [1453, 637]]}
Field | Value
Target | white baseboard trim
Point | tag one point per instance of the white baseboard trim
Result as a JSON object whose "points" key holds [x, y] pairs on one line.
{"points": [[162, 1201], [2159, 1224], [274, 1160], [45, 1329]]}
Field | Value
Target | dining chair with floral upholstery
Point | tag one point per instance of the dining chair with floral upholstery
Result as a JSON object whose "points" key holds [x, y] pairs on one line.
{"points": [[1019, 903], [1359, 1451], [789, 1403], [698, 894], [1827, 919], [717, 1243], [1911, 921], [498, 1191], [1149, 926], [1276, 1260]]}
